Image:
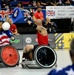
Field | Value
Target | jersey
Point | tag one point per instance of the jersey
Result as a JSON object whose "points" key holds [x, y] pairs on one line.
{"points": [[69, 70], [39, 15], [42, 40], [13, 28], [5, 37]]}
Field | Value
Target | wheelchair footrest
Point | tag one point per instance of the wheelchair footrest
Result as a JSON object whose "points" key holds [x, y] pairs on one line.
{"points": [[30, 64], [2, 65]]}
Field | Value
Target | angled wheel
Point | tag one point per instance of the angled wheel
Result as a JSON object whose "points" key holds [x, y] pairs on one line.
{"points": [[45, 56], [9, 56]]}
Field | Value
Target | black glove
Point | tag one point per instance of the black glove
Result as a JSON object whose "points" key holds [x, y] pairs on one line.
{"points": [[31, 12]]}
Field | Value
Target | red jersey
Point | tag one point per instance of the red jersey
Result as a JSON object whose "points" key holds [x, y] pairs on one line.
{"points": [[42, 40], [39, 15], [13, 28]]}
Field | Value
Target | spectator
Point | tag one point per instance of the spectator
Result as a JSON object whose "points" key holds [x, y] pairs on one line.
{"points": [[54, 2], [7, 18], [38, 3], [69, 70], [20, 4], [39, 14], [34, 4], [13, 27], [67, 2], [7, 8], [43, 2], [5, 2], [51, 26]]}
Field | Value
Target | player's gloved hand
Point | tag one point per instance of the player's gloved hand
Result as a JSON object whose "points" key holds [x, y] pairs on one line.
{"points": [[12, 38], [27, 18], [31, 12]]}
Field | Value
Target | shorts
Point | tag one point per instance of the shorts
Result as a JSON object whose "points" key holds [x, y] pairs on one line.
{"points": [[35, 46]]}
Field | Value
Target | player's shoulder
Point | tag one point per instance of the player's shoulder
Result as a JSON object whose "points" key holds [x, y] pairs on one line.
{"points": [[66, 70], [54, 71], [60, 71]]}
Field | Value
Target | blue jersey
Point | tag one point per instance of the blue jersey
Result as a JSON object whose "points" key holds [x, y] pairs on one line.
{"points": [[69, 70], [7, 32]]}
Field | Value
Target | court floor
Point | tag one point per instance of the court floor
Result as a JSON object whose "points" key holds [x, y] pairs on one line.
{"points": [[62, 55], [19, 71]]}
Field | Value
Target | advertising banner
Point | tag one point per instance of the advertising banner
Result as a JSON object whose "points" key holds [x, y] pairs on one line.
{"points": [[22, 40], [62, 40], [59, 12]]}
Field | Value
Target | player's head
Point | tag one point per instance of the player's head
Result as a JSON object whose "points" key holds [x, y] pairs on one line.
{"points": [[39, 22], [72, 50]]}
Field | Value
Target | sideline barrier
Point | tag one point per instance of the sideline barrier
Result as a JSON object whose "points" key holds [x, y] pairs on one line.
{"points": [[57, 41], [62, 40], [22, 40]]}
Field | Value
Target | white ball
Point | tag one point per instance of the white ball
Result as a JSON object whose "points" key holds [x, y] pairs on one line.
{"points": [[5, 26]]}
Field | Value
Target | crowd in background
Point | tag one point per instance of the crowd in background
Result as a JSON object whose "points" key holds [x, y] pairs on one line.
{"points": [[35, 3], [9, 5]]}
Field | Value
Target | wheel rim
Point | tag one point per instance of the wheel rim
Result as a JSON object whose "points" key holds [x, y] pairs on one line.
{"points": [[9, 56], [44, 61]]}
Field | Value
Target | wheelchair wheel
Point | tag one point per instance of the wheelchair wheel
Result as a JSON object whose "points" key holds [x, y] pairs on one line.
{"points": [[45, 56], [9, 56]]}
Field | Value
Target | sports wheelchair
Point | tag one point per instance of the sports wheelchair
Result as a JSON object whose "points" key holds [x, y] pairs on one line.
{"points": [[44, 57]]}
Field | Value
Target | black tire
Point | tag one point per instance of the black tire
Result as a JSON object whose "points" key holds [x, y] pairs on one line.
{"points": [[45, 56]]}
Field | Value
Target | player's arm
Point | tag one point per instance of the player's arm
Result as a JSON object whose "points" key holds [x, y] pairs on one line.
{"points": [[9, 34], [16, 31], [39, 28], [32, 24]]}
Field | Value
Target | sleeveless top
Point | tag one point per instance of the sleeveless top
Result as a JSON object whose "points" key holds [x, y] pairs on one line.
{"points": [[42, 40]]}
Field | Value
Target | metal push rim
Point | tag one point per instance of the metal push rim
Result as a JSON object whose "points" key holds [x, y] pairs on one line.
{"points": [[35, 57]]}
